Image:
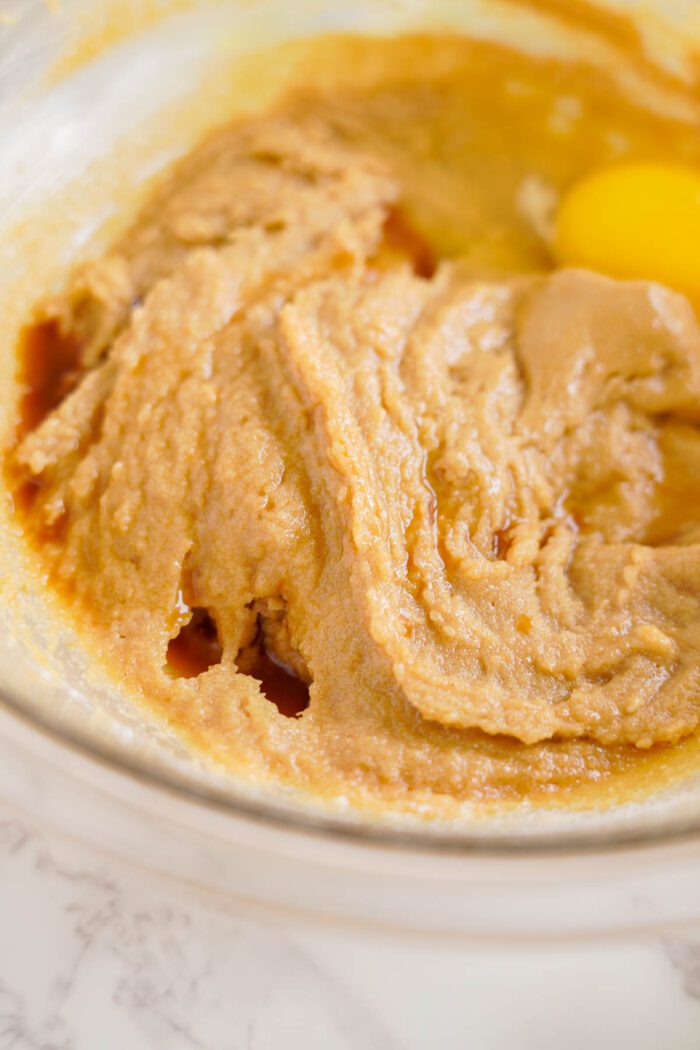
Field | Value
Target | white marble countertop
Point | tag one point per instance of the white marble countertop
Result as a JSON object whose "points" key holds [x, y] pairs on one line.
{"points": [[98, 958]]}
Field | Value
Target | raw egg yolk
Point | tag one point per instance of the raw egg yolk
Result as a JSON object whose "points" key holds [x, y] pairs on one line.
{"points": [[634, 221]]}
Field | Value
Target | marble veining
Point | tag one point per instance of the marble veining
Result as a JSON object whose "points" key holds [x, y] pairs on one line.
{"points": [[685, 956], [174, 978], [95, 957]]}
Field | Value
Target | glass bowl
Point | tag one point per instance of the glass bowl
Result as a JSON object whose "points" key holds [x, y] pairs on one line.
{"points": [[117, 91]]}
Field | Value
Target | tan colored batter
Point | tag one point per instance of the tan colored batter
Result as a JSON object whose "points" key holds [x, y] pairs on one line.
{"points": [[330, 413]]}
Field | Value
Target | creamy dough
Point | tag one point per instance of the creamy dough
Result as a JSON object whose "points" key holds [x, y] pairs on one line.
{"points": [[457, 507]]}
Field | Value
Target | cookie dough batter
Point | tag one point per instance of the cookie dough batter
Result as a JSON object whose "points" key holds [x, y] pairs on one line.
{"points": [[440, 501]]}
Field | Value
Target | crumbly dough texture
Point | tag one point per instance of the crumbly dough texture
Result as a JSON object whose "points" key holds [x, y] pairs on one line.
{"points": [[437, 498]]}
